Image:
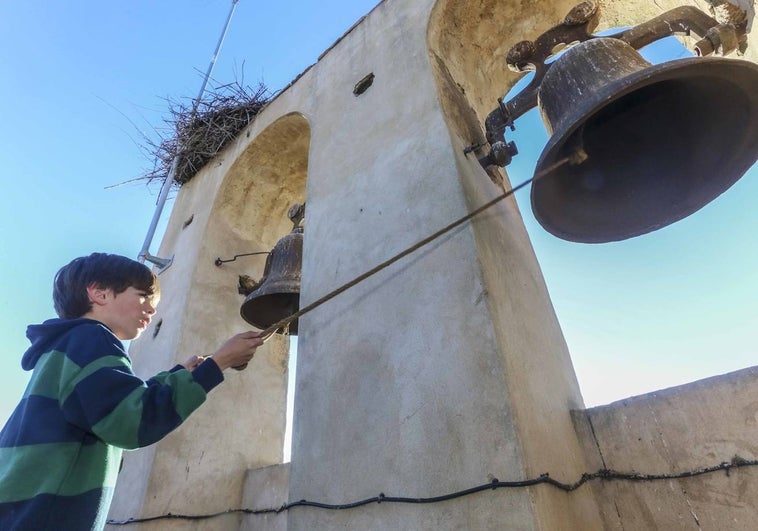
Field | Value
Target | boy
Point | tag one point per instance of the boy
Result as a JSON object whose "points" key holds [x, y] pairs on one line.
{"points": [[61, 449]]}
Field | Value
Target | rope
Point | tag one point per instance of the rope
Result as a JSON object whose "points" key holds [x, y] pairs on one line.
{"points": [[576, 158]]}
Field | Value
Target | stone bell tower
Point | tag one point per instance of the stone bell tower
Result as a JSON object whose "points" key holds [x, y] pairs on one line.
{"points": [[444, 371]]}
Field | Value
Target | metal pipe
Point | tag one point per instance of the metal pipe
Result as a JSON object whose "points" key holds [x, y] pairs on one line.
{"points": [[144, 254]]}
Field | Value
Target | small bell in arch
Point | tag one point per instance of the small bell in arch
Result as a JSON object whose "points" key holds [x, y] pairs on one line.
{"points": [[278, 293]]}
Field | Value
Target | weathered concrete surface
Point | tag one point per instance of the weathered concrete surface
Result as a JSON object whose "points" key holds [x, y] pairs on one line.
{"points": [[677, 430], [266, 488], [441, 371], [540, 380], [242, 424], [437, 374]]}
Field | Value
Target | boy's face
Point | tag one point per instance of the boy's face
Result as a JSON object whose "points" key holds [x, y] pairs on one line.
{"points": [[127, 314]]}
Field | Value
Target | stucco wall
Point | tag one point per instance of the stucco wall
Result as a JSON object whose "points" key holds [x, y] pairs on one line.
{"points": [[440, 373], [674, 431]]}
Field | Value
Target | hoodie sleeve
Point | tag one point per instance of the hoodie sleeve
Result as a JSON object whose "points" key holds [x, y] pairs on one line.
{"points": [[105, 397]]}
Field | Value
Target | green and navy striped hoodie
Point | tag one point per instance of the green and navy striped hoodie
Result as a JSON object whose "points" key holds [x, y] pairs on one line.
{"points": [[60, 450]]}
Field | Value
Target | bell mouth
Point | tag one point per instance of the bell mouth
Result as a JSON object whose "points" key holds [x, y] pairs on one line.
{"points": [[661, 143], [265, 310]]}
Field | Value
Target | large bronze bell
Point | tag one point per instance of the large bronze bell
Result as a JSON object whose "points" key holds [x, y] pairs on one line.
{"points": [[278, 293], [660, 141]]}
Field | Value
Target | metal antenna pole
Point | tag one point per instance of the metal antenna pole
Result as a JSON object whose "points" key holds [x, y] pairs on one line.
{"points": [[144, 254]]}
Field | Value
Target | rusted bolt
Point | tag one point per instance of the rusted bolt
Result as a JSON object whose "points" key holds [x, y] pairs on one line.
{"points": [[520, 53], [581, 14], [502, 153]]}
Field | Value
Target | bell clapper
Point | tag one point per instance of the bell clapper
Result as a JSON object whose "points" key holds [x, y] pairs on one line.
{"points": [[578, 156]]}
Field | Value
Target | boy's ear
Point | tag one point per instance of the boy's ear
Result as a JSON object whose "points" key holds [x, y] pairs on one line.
{"points": [[96, 294]]}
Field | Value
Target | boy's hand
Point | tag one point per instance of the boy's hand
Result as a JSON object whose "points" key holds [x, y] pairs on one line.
{"points": [[192, 363], [237, 350]]}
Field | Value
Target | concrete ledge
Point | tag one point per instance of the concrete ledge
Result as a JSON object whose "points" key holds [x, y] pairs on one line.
{"points": [[673, 431]]}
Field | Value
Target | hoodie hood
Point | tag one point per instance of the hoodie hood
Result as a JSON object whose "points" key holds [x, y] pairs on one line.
{"points": [[44, 335]]}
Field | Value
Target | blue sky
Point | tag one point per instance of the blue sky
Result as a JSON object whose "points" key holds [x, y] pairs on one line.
{"points": [[84, 81]]}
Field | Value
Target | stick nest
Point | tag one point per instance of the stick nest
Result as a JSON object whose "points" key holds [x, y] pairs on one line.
{"points": [[201, 133]]}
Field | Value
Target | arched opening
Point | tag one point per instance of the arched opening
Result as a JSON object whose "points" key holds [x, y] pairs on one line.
{"points": [[658, 307], [467, 44], [249, 216]]}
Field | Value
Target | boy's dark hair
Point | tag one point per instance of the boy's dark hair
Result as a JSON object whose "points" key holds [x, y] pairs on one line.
{"points": [[106, 271]]}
